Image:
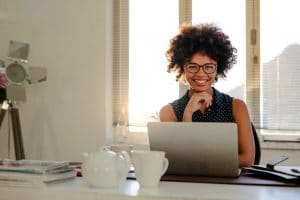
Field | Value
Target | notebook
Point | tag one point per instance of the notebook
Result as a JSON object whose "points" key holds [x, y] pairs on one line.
{"points": [[197, 148]]}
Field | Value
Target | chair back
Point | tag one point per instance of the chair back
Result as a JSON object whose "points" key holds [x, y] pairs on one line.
{"points": [[257, 146]]}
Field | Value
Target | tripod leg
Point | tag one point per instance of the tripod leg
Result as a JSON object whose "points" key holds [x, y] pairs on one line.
{"points": [[18, 141], [2, 115]]}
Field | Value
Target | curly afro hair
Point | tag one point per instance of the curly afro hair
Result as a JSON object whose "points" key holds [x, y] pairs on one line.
{"points": [[204, 38]]}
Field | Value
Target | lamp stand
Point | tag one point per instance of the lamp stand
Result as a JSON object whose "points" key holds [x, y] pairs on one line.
{"points": [[16, 128]]}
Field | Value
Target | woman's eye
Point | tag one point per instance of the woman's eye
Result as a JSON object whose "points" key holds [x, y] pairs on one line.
{"points": [[209, 67], [193, 67]]}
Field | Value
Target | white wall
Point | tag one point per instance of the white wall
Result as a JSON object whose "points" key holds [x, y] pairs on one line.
{"points": [[70, 112]]}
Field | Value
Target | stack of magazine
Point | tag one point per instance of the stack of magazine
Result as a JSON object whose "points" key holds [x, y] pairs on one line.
{"points": [[34, 173]]}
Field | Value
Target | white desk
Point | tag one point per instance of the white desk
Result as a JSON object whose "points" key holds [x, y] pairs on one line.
{"points": [[77, 189]]}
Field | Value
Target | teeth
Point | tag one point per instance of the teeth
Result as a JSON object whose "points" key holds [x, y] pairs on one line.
{"points": [[201, 81]]}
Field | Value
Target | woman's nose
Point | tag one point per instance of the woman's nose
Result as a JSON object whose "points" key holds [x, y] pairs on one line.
{"points": [[200, 71]]}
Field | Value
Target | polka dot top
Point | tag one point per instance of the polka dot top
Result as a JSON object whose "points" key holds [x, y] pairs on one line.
{"points": [[219, 111]]}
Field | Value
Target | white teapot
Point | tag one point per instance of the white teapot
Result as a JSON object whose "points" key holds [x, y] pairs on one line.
{"points": [[105, 168]]}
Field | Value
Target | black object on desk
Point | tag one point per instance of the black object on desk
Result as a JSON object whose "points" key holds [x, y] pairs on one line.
{"points": [[276, 161]]}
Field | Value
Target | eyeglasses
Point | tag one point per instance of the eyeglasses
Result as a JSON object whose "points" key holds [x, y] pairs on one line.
{"points": [[208, 68]]}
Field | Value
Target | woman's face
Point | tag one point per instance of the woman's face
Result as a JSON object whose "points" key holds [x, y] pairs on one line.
{"points": [[200, 72]]}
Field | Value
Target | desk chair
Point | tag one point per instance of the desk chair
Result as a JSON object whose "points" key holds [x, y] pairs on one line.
{"points": [[257, 146]]}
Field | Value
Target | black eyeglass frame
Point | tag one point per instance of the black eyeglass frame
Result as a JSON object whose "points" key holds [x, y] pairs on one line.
{"points": [[201, 66]]}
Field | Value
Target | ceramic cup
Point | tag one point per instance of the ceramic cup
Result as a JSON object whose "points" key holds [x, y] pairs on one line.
{"points": [[149, 166]]}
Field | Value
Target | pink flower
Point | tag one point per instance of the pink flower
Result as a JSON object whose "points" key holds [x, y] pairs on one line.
{"points": [[3, 80]]}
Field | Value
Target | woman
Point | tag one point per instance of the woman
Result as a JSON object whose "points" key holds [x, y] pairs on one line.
{"points": [[199, 55]]}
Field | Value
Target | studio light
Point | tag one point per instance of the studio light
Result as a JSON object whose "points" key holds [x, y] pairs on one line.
{"points": [[18, 74], [17, 71]]}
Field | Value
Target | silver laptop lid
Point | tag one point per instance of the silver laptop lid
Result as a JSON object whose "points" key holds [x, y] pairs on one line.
{"points": [[197, 148]]}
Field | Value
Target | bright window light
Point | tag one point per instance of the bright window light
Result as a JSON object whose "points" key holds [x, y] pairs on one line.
{"points": [[151, 25]]}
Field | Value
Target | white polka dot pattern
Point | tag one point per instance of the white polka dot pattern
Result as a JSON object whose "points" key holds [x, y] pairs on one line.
{"points": [[219, 111]]}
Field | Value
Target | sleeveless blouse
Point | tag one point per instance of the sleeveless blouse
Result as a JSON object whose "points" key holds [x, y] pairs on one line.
{"points": [[219, 111]]}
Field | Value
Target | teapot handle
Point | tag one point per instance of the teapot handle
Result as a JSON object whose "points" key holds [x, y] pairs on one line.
{"points": [[105, 148], [127, 159]]}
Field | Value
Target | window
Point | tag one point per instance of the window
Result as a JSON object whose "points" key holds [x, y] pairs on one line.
{"points": [[151, 25], [265, 76], [280, 64]]}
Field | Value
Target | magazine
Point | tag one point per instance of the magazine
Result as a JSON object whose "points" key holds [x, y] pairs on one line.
{"points": [[34, 180], [34, 172], [33, 166]]}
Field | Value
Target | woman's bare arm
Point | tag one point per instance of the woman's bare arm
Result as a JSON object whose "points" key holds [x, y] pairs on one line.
{"points": [[245, 135]]}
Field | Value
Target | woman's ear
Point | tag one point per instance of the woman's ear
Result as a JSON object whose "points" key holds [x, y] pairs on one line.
{"points": [[182, 78], [216, 79]]}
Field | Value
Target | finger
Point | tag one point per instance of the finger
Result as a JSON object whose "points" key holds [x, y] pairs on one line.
{"points": [[201, 101], [203, 104], [205, 99]]}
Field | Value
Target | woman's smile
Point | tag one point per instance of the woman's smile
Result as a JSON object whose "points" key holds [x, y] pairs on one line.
{"points": [[201, 81]]}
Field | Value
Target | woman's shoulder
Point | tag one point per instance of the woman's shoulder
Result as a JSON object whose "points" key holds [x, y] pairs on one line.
{"points": [[166, 113], [174, 110], [238, 102], [165, 108], [239, 106]]}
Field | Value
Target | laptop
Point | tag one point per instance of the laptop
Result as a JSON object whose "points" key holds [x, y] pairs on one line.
{"points": [[197, 148]]}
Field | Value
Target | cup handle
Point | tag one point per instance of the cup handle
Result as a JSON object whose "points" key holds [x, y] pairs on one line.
{"points": [[165, 167]]}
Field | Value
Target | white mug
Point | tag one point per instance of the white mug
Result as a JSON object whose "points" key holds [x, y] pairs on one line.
{"points": [[149, 166]]}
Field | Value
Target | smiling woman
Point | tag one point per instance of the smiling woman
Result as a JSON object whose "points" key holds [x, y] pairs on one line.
{"points": [[199, 54]]}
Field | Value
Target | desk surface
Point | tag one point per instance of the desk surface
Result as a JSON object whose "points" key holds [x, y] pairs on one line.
{"points": [[78, 189]]}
